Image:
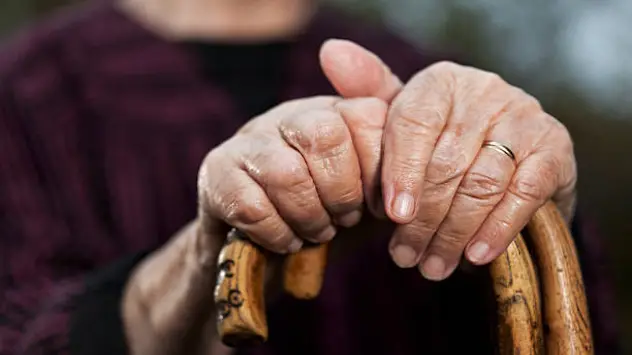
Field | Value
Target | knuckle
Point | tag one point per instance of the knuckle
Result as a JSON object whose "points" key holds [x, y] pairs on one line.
{"points": [[288, 171], [417, 233], [347, 199], [278, 241], [530, 187], [330, 137], [351, 196], [239, 208], [308, 206], [493, 84], [496, 232], [304, 197], [375, 103], [482, 188], [450, 241], [288, 183], [565, 135], [306, 211], [444, 66], [564, 139], [322, 133], [444, 74], [556, 137], [502, 224], [566, 165], [204, 179], [406, 171], [418, 119], [446, 166], [526, 107], [529, 100], [498, 229], [477, 85], [279, 169], [493, 79]]}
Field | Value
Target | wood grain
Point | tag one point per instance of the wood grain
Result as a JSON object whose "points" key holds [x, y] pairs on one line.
{"points": [[239, 293], [518, 301], [565, 311], [303, 272]]}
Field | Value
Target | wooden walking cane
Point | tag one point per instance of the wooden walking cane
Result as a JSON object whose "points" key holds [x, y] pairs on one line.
{"points": [[537, 283]]}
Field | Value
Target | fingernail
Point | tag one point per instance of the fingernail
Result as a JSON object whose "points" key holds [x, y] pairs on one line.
{"points": [[404, 205], [478, 251], [327, 235], [350, 219], [295, 246], [404, 256], [434, 268]]}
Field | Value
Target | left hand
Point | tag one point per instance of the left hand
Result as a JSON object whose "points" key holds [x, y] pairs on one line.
{"points": [[449, 194]]}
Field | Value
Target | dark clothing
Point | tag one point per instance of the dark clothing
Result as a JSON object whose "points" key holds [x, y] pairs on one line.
{"points": [[252, 74], [103, 126]]}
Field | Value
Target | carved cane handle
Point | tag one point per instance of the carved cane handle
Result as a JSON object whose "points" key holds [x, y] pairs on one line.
{"points": [[239, 293]]}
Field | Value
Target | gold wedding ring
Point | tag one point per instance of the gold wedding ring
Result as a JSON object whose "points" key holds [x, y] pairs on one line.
{"points": [[501, 148]]}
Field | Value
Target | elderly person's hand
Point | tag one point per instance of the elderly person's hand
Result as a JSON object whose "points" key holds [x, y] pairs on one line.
{"points": [[295, 173], [291, 175], [467, 160]]}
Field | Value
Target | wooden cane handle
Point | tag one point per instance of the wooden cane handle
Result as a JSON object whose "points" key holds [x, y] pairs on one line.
{"points": [[565, 311], [239, 293], [552, 299], [303, 272], [517, 291]]}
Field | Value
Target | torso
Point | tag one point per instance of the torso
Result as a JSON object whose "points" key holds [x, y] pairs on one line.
{"points": [[116, 149]]}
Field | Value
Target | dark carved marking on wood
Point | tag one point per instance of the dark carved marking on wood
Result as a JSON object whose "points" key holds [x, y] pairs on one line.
{"points": [[235, 298], [226, 268]]}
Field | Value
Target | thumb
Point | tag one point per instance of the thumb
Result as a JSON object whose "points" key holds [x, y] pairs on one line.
{"points": [[356, 72]]}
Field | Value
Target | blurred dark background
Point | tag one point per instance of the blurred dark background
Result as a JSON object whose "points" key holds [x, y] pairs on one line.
{"points": [[575, 56]]}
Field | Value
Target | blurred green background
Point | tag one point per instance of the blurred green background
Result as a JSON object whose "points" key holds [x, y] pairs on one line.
{"points": [[575, 56]]}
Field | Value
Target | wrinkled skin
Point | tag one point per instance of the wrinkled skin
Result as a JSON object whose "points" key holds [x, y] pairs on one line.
{"points": [[302, 169]]}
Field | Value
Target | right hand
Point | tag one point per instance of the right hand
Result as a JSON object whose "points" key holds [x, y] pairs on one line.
{"points": [[293, 174]]}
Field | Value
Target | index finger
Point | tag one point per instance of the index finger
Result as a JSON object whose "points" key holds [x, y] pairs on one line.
{"points": [[415, 121]]}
